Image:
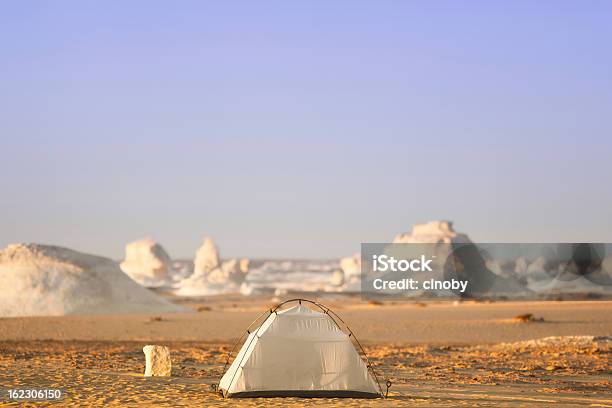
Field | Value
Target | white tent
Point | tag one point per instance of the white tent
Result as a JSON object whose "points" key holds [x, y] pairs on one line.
{"points": [[298, 352]]}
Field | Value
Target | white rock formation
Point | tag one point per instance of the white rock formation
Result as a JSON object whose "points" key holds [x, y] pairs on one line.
{"points": [[227, 272], [207, 257], [146, 262], [337, 278], [279, 292], [556, 285], [520, 267], [244, 265], [41, 280], [606, 266], [536, 271], [502, 268], [246, 289], [211, 276], [433, 232], [158, 362], [351, 266]]}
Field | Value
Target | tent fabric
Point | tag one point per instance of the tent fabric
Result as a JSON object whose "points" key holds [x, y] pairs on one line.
{"points": [[298, 352]]}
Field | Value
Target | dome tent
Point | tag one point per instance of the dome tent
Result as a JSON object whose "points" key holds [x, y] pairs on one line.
{"points": [[299, 352]]}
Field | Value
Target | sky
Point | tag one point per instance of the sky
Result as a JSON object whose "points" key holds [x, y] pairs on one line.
{"points": [[301, 129]]}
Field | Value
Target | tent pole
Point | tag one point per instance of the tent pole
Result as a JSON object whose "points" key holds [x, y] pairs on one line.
{"points": [[240, 362], [229, 355], [351, 334]]}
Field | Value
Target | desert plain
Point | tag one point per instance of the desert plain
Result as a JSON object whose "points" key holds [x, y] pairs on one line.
{"points": [[437, 352]]}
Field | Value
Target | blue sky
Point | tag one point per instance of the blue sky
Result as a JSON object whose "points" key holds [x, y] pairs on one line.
{"points": [[300, 129]]}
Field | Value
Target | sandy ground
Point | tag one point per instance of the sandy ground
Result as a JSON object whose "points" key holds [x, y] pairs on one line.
{"points": [[435, 353]]}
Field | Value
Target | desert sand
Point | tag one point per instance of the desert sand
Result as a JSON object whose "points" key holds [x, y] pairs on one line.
{"points": [[435, 353]]}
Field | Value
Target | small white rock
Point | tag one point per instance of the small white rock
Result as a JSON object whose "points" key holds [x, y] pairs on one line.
{"points": [[158, 361], [337, 278]]}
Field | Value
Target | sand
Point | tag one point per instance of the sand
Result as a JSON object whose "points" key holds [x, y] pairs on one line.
{"points": [[435, 353]]}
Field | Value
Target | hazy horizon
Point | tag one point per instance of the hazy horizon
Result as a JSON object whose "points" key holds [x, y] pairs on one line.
{"points": [[300, 130]]}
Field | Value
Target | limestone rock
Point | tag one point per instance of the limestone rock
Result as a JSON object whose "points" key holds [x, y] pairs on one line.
{"points": [[244, 265], [467, 262], [43, 280], [520, 266], [433, 232], [606, 265], [211, 276], [246, 289], [538, 270], [337, 278], [146, 261], [158, 362], [351, 266], [207, 257], [279, 292], [229, 272]]}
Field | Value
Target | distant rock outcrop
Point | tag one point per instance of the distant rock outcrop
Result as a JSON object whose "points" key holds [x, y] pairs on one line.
{"points": [[146, 262], [455, 257], [337, 279], [211, 276], [41, 280], [207, 257], [433, 232], [458, 258], [351, 267], [228, 272]]}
